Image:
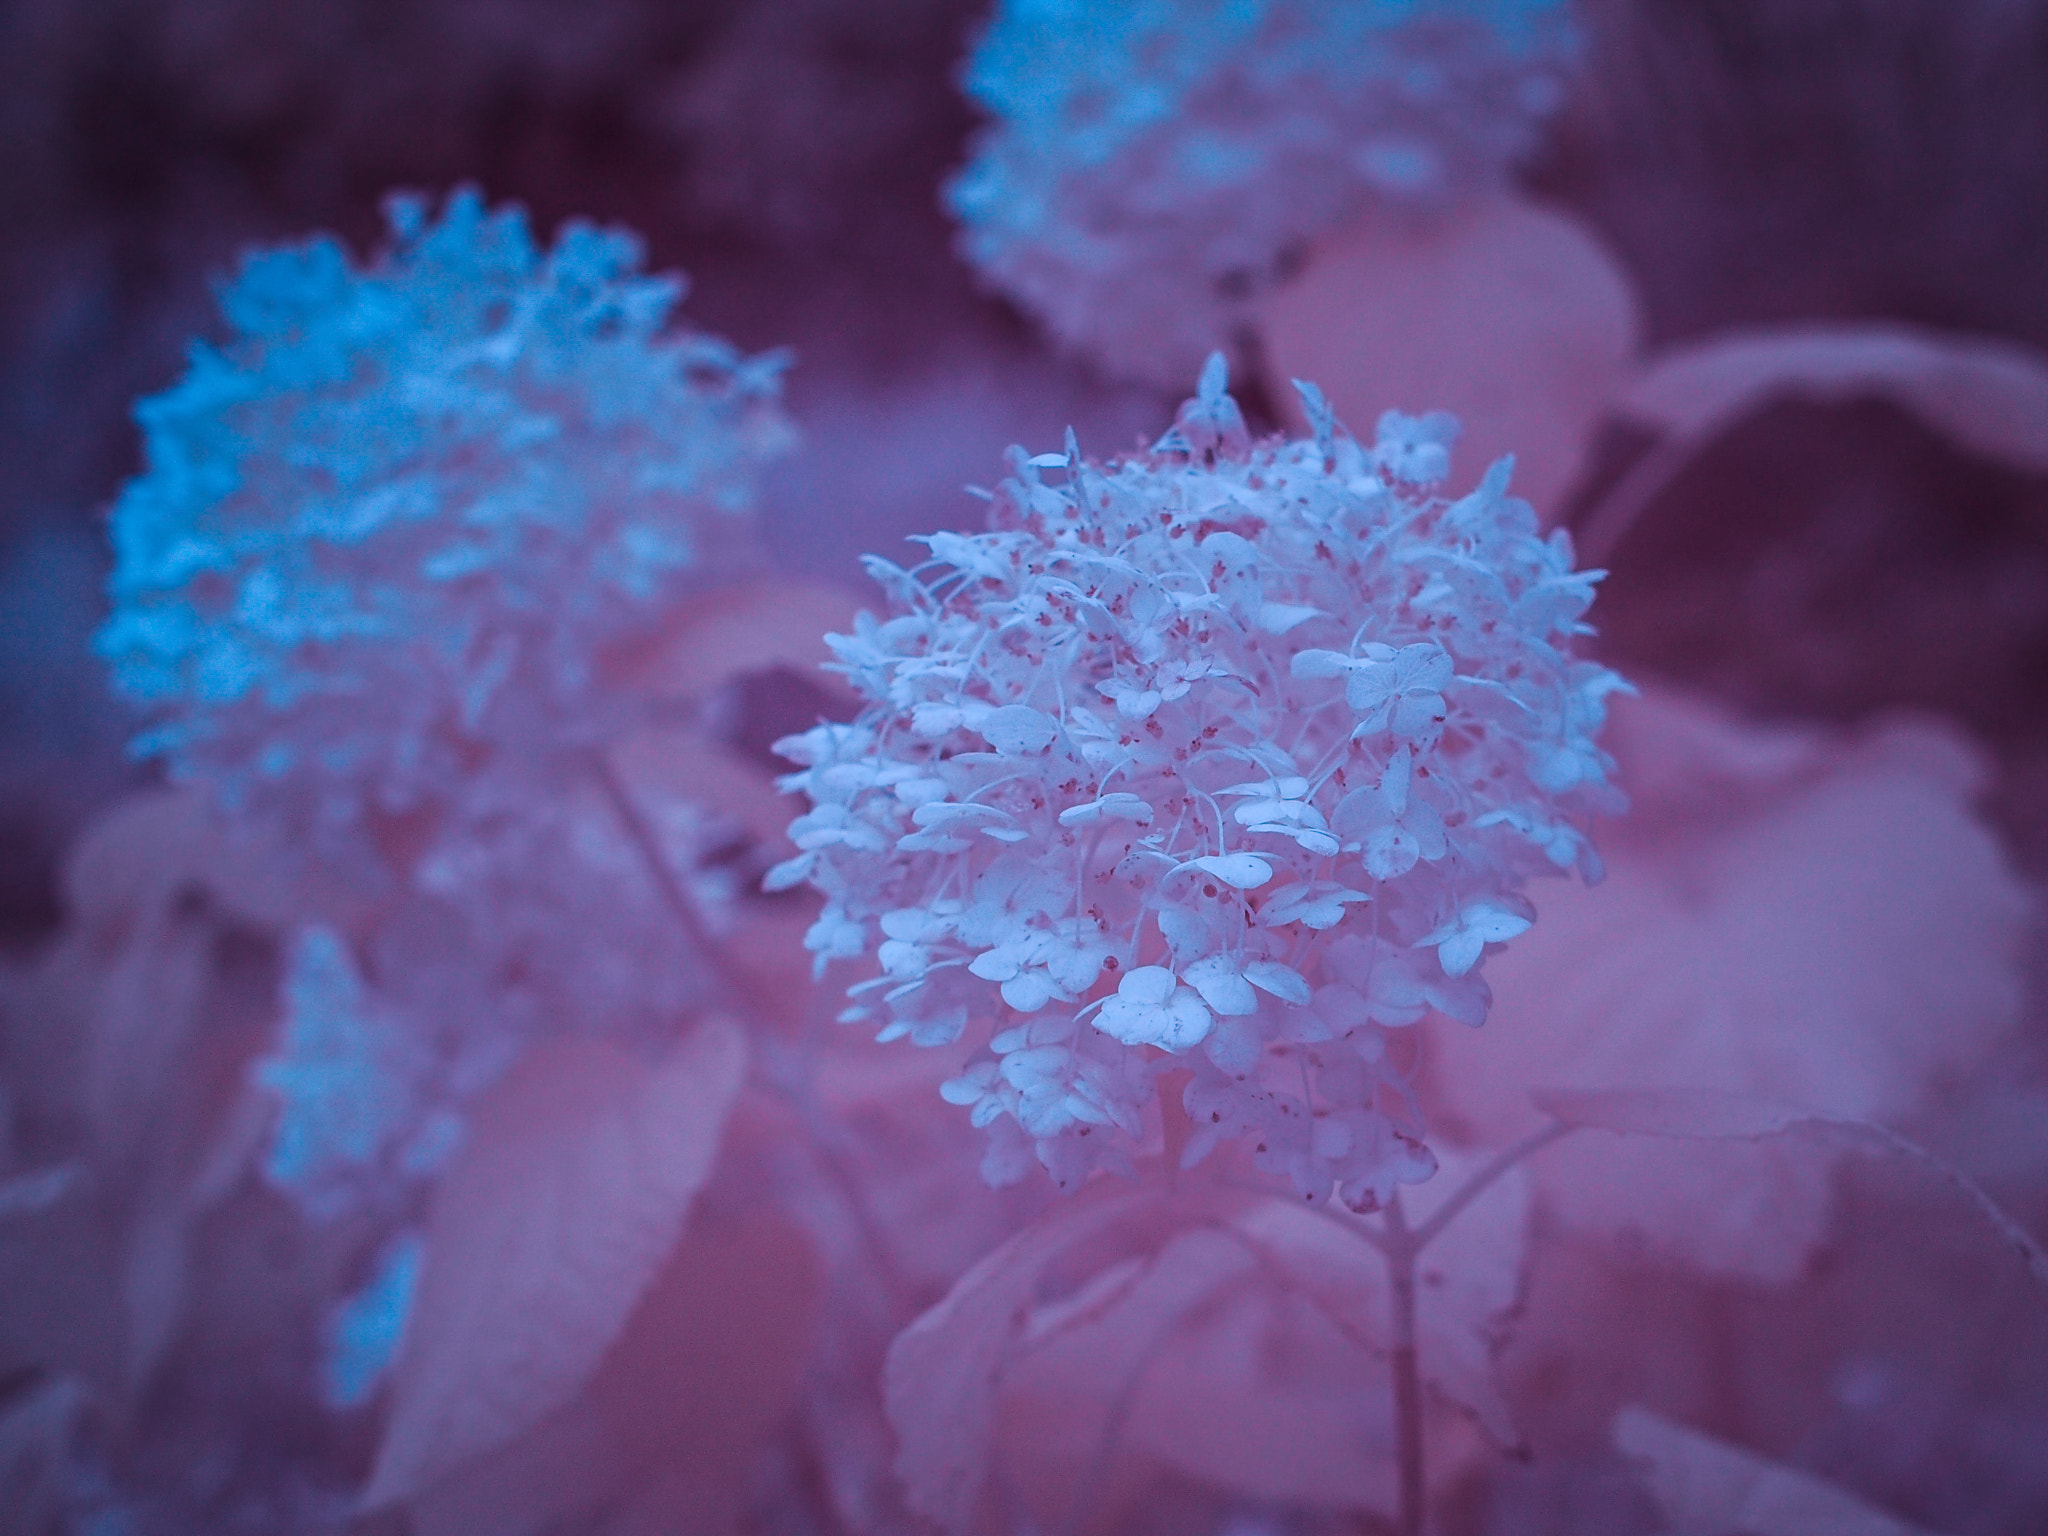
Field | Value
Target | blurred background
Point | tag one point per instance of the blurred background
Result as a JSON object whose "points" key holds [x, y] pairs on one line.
{"points": [[1767, 161]]}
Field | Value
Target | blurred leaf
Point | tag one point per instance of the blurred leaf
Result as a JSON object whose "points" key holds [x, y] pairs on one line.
{"points": [[944, 1371], [149, 1003], [1239, 1339], [569, 1193], [47, 1480], [745, 626], [1814, 917], [1511, 317], [170, 991], [1989, 395], [142, 849], [157, 1271], [1702, 1114], [666, 1435], [1707, 1488]]}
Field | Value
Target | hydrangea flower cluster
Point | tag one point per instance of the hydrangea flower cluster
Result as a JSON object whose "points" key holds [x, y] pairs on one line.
{"points": [[1151, 164], [391, 525], [390, 539], [1227, 757]]}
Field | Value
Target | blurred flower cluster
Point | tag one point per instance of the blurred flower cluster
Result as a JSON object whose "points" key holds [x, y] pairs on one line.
{"points": [[391, 526], [378, 587], [1149, 167]]}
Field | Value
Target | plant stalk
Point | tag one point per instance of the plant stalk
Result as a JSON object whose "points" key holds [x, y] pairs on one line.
{"points": [[731, 991], [1401, 1249], [1402, 1245]]}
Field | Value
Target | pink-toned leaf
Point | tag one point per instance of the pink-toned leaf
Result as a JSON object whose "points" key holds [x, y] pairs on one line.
{"points": [[1687, 1114], [1815, 918], [44, 1449], [173, 994], [141, 1022], [713, 1362], [1237, 1339], [1510, 316], [666, 1435], [145, 849], [1280, 1389], [1708, 1488], [157, 1266], [1466, 1281], [742, 627], [943, 1372], [915, 1202], [702, 753], [1702, 1114], [570, 1191], [1989, 395]]}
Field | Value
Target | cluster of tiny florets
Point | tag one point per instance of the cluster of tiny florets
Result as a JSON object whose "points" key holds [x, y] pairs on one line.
{"points": [[1229, 757], [389, 540], [1150, 165], [391, 524]]}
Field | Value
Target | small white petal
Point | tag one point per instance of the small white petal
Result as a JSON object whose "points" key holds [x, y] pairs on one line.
{"points": [[1112, 807], [1017, 729], [1320, 664], [1028, 991], [1148, 984], [998, 964], [1461, 953], [1246, 871], [1222, 986], [789, 873], [1278, 618], [1283, 981]]}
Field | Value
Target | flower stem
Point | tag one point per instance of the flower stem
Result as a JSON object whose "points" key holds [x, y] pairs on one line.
{"points": [[731, 990], [734, 991], [1485, 1178], [1402, 1245], [1401, 1248]]}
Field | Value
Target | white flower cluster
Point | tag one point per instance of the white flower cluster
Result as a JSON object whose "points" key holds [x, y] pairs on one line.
{"points": [[1152, 163], [1231, 757], [391, 525]]}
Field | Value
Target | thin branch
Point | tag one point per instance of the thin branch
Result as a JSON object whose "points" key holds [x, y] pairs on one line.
{"points": [[738, 993], [1485, 1178], [733, 992], [1408, 1439], [1608, 520]]}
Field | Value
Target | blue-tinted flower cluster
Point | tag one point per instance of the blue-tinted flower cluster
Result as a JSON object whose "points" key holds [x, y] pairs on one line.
{"points": [[348, 1076], [1151, 164], [376, 586], [1229, 756], [389, 527]]}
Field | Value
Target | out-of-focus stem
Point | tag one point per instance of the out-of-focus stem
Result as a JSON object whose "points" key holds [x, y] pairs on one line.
{"points": [[733, 992], [1607, 521], [1484, 1179], [737, 993], [1400, 1250]]}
